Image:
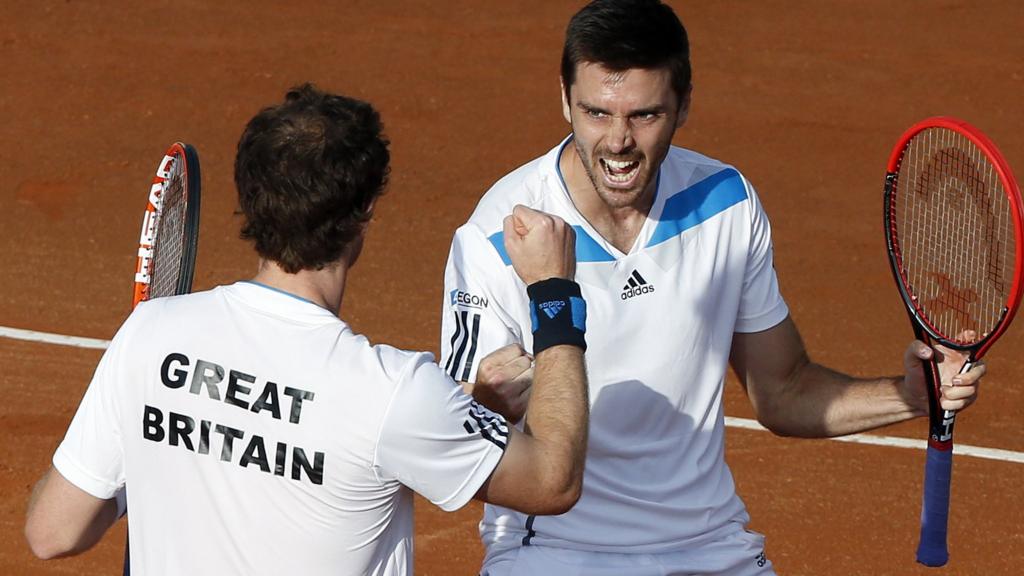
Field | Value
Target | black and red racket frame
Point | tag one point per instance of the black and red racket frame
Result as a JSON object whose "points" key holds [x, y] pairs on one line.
{"points": [[941, 424]]}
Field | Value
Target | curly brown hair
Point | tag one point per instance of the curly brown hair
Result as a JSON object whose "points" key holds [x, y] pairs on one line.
{"points": [[307, 172]]}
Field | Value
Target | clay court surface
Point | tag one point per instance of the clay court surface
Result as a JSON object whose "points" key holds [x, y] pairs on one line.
{"points": [[806, 98]]}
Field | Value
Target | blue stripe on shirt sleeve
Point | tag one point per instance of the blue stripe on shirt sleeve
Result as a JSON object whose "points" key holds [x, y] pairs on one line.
{"points": [[698, 203], [587, 249]]}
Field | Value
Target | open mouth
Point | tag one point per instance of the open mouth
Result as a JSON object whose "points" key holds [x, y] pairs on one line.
{"points": [[620, 173]]}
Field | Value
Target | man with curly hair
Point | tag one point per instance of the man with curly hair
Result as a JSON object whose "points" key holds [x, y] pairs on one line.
{"points": [[258, 434]]}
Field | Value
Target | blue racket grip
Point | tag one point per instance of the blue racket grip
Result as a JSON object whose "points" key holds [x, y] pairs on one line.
{"points": [[931, 550]]}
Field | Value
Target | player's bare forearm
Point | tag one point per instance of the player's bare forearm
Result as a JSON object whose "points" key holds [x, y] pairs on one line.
{"points": [[796, 397], [62, 520], [557, 416], [820, 402], [552, 451]]}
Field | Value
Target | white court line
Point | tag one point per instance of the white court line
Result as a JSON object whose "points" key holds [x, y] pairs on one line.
{"points": [[747, 424], [61, 339], [897, 442]]}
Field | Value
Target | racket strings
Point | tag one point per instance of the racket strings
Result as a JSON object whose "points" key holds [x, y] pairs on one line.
{"points": [[955, 231], [169, 242]]}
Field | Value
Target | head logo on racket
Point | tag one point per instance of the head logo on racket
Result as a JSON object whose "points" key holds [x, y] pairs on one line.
{"points": [[170, 227]]}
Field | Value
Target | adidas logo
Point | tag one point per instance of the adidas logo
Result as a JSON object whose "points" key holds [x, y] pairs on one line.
{"points": [[636, 286], [552, 308]]}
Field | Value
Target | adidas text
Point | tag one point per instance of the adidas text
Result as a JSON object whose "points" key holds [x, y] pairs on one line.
{"points": [[639, 290]]}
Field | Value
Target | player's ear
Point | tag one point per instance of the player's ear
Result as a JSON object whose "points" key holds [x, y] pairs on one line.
{"points": [[565, 101], [354, 248], [684, 107]]}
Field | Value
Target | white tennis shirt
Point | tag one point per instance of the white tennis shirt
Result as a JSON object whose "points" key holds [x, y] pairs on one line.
{"points": [[660, 321], [257, 434]]}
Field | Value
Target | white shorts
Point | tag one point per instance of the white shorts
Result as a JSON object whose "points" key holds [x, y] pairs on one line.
{"points": [[740, 553]]}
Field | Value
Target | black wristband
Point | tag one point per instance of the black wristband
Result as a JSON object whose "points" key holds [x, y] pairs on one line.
{"points": [[558, 313]]}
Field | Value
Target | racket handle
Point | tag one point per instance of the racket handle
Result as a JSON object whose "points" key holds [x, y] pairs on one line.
{"points": [[932, 550]]}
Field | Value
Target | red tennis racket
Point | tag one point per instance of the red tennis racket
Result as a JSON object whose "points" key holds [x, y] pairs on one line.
{"points": [[954, 233], [170, 227], [169, 237]]}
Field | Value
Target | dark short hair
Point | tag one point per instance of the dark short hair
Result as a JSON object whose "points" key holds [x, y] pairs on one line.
{"points": [[308, 171], [625, 34]]}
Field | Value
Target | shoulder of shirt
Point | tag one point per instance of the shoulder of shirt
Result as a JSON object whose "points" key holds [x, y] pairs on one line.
{"points": [[686, 155], [686, 164], [685, 169], [148, 310], [390, 368], [135, 330]]}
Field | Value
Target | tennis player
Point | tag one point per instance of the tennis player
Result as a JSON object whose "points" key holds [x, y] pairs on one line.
{"points": [[258, 434], [674, 258]]}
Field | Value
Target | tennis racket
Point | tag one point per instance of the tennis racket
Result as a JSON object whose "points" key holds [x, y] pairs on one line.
{"points": [[954, 233], [169, 237], [170, 227]]}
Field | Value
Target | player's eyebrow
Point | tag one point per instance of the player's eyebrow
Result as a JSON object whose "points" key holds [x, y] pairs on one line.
{"points": [[590, 108], [654, 110], [651, 110]]}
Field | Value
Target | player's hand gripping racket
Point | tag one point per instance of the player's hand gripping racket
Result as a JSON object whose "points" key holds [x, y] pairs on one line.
{"points": [[954, 233], [170, 235]]}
